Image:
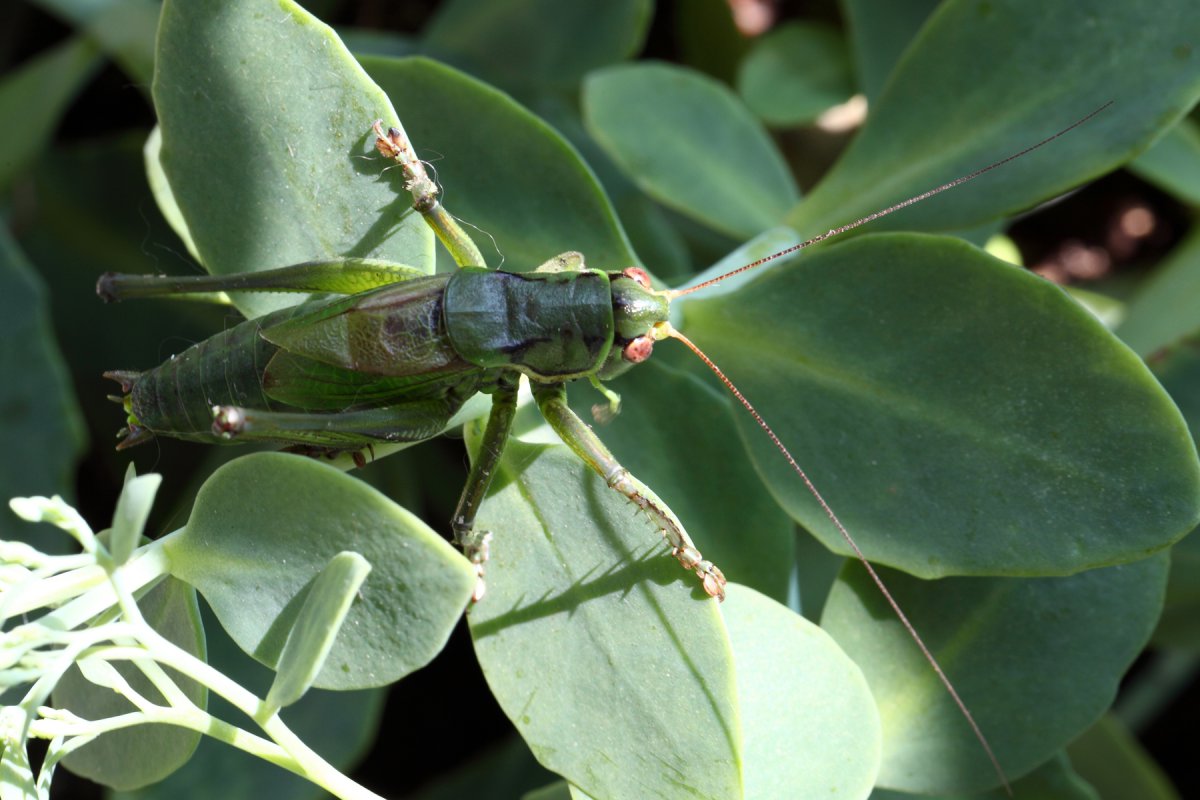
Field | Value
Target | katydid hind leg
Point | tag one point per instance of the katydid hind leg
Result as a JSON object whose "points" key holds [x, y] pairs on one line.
{"points": [[475, 543], [577, 435], [339, 276], [411, 422]]}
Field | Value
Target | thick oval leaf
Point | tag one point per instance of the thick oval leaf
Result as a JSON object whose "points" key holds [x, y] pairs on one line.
{"points": [[1036, 662], [1041, 67], [1164, 310], [961, 415], [538, 44], [659, 123], [678, 437], [510, 176], [264, 527], [144, 754], [607, 657], [266, 142], [796, 72], [808, 718]]}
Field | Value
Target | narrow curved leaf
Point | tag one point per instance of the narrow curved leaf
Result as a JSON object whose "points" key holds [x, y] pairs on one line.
{"points": [[961, 415], [809, 721], [43, 426], [37, 94], [879, 33], [658, 122], [266, 142], [608, 658], [507, 171], [123, 28], [316, 628], [1035, 69], [1110, 756], [133, 509], [1164, 309], [1036, 662], [264, 527], [1173, 163]]}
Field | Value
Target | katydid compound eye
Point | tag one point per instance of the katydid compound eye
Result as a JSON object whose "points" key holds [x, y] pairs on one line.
{"points": [[638, 274], [638, 350]]}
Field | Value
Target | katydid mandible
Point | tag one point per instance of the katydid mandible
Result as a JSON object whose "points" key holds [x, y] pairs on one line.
{"points": [[397, 354]]}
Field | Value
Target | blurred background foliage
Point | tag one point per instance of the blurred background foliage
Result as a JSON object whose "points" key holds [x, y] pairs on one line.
{"points": [[74, 103]]}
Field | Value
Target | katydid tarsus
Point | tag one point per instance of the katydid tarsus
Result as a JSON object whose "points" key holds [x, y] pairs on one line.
{"points": [[395, 354]]}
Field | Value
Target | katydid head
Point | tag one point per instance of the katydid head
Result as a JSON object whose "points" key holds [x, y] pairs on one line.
{"points": [[639, 311]]}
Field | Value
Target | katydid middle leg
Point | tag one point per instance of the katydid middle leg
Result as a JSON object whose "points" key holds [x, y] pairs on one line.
{"points": [[474, 543], [575, 433]]}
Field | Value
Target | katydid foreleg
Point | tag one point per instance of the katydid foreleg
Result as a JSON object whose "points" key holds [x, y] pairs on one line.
{"points": [[575, 433], [394, 144]]}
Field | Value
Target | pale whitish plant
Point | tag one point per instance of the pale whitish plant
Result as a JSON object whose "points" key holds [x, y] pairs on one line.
{"points": [[92, 620]]}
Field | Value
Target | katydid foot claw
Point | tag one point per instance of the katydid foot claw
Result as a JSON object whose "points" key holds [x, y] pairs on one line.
{"points": [[710, 574], [476, 546]]}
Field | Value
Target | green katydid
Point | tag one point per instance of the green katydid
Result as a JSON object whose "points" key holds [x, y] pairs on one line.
{"points": [[395, 354]]}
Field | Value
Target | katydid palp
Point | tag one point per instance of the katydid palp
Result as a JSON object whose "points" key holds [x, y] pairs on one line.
{"points": [[396, 354]]}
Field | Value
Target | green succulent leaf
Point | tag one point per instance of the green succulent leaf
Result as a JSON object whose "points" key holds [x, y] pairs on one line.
{"points": [[265, 526], [961, 415], [984, 80], [1035, 661], [302, 182], [810, 723], [590, 635], [658, 122]]}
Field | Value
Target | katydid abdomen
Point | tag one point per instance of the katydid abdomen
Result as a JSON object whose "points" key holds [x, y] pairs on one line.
{"points": [[242, 367]]}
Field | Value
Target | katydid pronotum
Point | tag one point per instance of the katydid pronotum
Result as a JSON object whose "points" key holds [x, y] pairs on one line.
{"points": [[395, 354]]}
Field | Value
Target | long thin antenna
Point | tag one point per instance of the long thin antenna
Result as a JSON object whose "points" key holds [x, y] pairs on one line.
{"points": [[890, 209], [833, 517]]}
